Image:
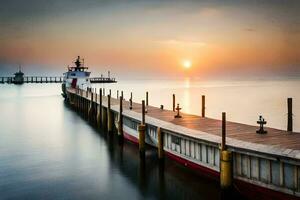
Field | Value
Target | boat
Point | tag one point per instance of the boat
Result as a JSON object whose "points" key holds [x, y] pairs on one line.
{"points": [[19, 77], [76, 77]]}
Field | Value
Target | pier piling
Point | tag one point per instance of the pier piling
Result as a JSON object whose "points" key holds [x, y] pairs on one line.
{"points": [[130, 101], [147, 103], [160, 144], [99, 114], [109, 115], [120, 124], [141, 130], [203, 106], [104, 118], [90, 111], [290, 115], [225, 160], [173, 102]]}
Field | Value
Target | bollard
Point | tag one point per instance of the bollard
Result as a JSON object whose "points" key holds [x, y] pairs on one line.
{"points": [[203, 105], [290, 115], [141, 130], [173, 102], [109, 116], [225, 160], [178, 111], [160, 144], [120, 124]]}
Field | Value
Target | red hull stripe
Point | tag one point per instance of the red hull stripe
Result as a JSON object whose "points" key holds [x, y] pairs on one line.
{"points": [[131, 138]]}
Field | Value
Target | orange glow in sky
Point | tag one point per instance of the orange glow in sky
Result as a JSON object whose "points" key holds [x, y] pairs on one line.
{"points": [[154, 38]]}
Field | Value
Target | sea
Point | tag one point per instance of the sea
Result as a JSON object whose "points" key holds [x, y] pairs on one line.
{"points": [[48, 151]]}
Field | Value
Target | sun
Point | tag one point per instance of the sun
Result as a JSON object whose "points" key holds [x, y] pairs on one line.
{"points": [[187, 64]]}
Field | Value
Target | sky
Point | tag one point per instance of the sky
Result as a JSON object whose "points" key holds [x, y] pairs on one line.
{"points": [[151, 38]]}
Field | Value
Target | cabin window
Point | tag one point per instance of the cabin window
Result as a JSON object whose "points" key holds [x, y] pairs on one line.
{"points": [[175, 140]]}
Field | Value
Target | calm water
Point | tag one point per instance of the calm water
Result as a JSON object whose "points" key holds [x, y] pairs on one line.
{"points": [[47, 151]]}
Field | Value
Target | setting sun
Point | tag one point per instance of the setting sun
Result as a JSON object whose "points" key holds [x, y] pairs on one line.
{"points": [[187, 64]]}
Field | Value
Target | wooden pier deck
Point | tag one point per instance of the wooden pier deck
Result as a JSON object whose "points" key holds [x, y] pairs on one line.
{"points": [[270, 161], [279, 142]]}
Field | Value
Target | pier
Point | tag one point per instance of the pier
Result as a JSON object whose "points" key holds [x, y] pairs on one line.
{"points": [[237, 154], [49, 79]]}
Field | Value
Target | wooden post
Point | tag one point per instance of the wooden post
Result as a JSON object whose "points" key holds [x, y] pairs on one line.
{"points": [[90, 112], [160, 144], [203, 105], [120, 125], [290, 115], [130, 101], [122, 94], [226, 175], [96, 97], [147, 99], [143, 112], [141, 130], [223, 145], [173, 102], [110, 92], [99, 116], [104, 118], [109, 117], [117, 94], [82, 103]]}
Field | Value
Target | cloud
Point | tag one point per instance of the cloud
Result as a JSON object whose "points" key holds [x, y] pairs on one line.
{"points": [[182, 42], [250, 29]]}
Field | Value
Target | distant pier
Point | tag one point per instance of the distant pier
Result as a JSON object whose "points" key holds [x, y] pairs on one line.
{"points": [[49, 79], [31, 79], [252, 158]]}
